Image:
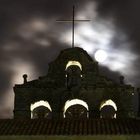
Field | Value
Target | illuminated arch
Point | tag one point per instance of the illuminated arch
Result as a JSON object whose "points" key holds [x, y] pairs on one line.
{"points": [[109, 103], [39, 103], [70, 103], [74, 63]]}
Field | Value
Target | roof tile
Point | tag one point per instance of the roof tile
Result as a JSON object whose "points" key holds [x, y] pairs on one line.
{"points": [[70, 127]]}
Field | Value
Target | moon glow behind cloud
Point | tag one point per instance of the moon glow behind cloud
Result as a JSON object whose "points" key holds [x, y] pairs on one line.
{"points": [[100, 55], [100, 34]]}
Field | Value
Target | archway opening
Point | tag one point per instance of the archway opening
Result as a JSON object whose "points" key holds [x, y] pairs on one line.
{"points": [[75, 109], [73, 74], [108, 109], [40, 109], [74, 63]]}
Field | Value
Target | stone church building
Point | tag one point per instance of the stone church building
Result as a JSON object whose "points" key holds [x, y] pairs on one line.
{"points": [[74, 89], [73, 101]]}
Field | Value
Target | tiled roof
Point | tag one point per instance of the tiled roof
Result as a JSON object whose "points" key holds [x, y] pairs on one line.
{"points": [[70, 127]]}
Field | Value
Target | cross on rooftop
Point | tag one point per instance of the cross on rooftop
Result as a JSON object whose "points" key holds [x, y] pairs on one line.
{"points": [[73, 23]]}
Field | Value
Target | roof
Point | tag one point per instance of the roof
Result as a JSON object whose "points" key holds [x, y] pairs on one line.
{"points": [[75, 52], [70, 127]]}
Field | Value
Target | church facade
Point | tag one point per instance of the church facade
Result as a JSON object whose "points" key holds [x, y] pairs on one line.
{"points": [[73, 88]]}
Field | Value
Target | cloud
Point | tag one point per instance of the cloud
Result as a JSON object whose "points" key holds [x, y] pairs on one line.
{"points": [[104, 35]]}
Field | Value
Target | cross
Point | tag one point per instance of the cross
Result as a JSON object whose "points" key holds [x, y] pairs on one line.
{"points": [[73, 23]]}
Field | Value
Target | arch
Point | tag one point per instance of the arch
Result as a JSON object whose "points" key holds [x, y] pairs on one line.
{"points": [[73, 74], [74, 63], [110, 104], [72, 102], [39, 104]]}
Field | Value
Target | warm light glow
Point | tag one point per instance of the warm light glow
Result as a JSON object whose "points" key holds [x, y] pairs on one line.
{"points": [[108, 102], [70, 103], [74, 63], [111, 103], [39, 103], [100, 55], [133, 93]]}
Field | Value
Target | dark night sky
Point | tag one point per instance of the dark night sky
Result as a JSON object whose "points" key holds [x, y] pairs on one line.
{"points": [[30, 38]]}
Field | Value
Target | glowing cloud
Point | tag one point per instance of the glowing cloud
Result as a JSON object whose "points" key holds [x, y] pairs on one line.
{"points": [[28, 29], [99, 35], [19, 68], [35, 30], [40, 103]]}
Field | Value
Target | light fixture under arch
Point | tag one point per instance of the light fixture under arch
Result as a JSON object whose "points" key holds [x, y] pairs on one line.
{"points": [[39, 103], [74, 63], [72, 102], [109, 103]]}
